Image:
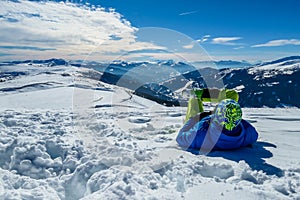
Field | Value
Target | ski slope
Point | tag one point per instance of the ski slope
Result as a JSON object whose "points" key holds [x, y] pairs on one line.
{"points": [[65, 135]]}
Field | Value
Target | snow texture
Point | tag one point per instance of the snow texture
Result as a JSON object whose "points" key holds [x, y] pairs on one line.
{"points": [[73, 137]]}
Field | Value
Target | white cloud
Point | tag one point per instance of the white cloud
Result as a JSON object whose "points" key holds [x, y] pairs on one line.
{"points": [[240, 47], [70, 30], [193, 43], [189, 46], [188, 13], [276, 43], [226, 40]]}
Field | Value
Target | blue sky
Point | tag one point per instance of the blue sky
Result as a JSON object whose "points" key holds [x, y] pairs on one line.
{"points": [[253, 23], [222, 30]]}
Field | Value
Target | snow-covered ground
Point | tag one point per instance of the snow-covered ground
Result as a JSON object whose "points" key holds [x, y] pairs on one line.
{"points": [[65, 135]]}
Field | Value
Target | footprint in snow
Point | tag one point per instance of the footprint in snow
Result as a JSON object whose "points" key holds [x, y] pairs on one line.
{"points": [[139, 120], [175, 114]]}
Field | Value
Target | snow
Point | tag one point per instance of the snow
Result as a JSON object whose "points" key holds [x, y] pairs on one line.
{"points": [[78, 138], [239, 88], [270, 70]]}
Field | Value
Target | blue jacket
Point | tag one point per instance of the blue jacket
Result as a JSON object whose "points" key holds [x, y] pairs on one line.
{"points": [[208, 135]]}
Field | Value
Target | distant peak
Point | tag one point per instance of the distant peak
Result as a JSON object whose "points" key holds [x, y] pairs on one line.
{"points": [[49, 62], [289, 58]]}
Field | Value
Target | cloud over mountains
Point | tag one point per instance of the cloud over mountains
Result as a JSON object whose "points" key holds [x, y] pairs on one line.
{"points": [[226, 40], [64, 29], [276, 43]]}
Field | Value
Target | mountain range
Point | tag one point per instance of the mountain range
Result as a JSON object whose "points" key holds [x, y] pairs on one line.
{"points": [[268, 84]]}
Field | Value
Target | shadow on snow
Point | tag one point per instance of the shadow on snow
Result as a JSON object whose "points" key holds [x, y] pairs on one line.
{"points": [[253, 155]]}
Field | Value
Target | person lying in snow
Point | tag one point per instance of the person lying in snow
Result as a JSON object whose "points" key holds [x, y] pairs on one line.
{"points": [[213, 95], [223, 130]]}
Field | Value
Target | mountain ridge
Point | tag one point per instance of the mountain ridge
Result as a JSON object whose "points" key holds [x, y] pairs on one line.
{"points": [[269, 84]]}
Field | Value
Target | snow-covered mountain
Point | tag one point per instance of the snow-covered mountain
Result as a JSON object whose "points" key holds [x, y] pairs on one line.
{"points": [[223, 64], [270, 84], [66, 135]]}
